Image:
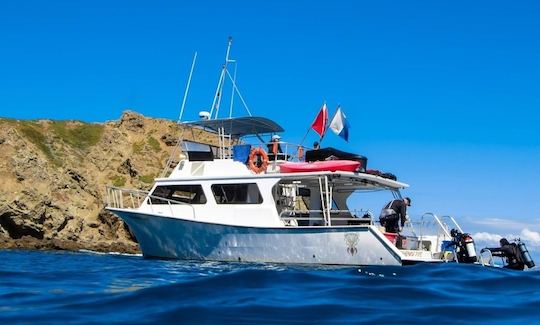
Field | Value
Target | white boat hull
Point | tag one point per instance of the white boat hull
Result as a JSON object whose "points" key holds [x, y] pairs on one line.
{"points": [[167, 237]]}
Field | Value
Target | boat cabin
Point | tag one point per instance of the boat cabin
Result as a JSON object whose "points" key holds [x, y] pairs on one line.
{"points": [[219, 178]]}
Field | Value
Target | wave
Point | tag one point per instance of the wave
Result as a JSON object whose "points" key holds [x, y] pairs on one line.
{"points": [[107, 253], [88, 287]]}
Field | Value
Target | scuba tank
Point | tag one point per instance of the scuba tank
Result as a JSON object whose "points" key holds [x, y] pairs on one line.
{"points": [[525, 254], [465, 249], [469, 246]]}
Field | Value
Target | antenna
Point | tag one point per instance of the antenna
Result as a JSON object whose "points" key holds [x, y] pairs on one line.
{"points": [[217, 96], [187, 87], [238, 92], [232, 90], [214, 111]]}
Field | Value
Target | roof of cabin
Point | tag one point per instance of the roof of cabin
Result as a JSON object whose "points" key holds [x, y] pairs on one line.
{"points": [[240, 126], [228, 170]]}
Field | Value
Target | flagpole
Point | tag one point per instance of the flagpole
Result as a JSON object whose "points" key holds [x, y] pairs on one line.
{"points": [[322, 136], [304, 138], [328, 126], [307, 132]]}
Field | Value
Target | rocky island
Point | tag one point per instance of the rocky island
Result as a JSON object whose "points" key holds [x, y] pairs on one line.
{"points": [[53, 176]]}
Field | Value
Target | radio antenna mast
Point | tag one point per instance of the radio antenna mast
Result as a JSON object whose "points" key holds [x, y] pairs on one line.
{"points": [[187, 88], [214, 111], [217, 97]]}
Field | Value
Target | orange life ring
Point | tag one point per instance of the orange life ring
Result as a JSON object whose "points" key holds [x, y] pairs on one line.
{"points": [[258, 160]]}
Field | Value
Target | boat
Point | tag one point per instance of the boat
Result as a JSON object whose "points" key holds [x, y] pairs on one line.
{"points": [[319, 166], [230, 202]]}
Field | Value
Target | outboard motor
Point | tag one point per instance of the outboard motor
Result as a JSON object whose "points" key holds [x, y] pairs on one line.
{"points": [[465, 249], [525, 254]]}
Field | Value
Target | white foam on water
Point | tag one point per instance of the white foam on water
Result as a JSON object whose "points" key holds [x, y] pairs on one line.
{"points": [[108, 253]]}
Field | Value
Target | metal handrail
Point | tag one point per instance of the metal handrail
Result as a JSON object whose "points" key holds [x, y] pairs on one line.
{"points": [[454, 222], [294, 156], [437, 220], [441, 225], [290, 212], [490, 261], [115, 195], [321, 219], [289, 150], [118, 202]]}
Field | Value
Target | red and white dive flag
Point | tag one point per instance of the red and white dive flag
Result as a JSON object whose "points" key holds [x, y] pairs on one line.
{"points": [[319, 125]]}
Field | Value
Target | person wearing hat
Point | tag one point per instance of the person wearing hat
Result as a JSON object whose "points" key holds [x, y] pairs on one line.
{"points": [[271, 154], [394, 214]]}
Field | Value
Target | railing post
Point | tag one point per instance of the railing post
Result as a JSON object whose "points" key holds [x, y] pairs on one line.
{"points": [[170, 207], [132, 200], [121, 199]]}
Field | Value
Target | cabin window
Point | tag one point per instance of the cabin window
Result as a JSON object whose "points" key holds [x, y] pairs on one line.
{"points": [[237, 193], [190, 194]]}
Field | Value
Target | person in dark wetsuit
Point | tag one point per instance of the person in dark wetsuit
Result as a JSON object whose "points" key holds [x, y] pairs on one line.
{"points": [[392, 221], [509, 250]]}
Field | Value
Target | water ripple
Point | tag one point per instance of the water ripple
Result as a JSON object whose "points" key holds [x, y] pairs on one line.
{"points": [[58, 287]]}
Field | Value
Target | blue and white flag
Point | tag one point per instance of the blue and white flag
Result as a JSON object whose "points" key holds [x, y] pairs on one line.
{"points": [[339, 125]]}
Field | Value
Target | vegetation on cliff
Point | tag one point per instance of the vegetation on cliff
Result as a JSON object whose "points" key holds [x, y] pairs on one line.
{"points": [[54, 175]]}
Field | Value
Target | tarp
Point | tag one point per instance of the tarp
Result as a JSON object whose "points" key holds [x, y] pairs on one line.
{"points": [[240, 126]]}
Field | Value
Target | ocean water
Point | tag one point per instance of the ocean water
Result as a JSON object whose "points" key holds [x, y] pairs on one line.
{"points": [[85, 287]]}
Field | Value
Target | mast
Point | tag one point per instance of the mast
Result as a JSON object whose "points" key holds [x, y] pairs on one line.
{"points": [[214, 111], [232, 91], [217, 97], [187, 88]]}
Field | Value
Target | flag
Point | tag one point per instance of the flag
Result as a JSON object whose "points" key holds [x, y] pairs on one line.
{"points": [[319, 125], [339, 125]]}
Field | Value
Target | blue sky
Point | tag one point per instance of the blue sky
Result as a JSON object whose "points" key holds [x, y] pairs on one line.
{"points": [[445, 94]]}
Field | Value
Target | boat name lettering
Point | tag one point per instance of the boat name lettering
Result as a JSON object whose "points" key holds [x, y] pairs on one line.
{"points": [[409, 253]]}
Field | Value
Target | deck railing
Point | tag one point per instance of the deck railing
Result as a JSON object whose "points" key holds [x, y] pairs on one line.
{"points": [[430, 224], [284, 151], [441, 223], [290, 151], [292, 217], [120, 198]]}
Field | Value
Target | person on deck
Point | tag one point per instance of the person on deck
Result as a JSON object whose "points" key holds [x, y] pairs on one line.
{"points": [[394, 215], [274, 148], [316, 145]]}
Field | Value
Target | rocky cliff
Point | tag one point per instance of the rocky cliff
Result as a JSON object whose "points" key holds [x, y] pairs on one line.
{"points": [[53, 176]]}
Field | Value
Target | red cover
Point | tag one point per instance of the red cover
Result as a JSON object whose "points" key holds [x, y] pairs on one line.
{"points": [[319, 166]]}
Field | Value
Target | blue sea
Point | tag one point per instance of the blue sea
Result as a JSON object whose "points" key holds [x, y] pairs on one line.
{"points": [[86, 287]]}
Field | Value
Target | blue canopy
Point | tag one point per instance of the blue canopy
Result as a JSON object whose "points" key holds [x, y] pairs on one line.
{"points": [[240, 126]]}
